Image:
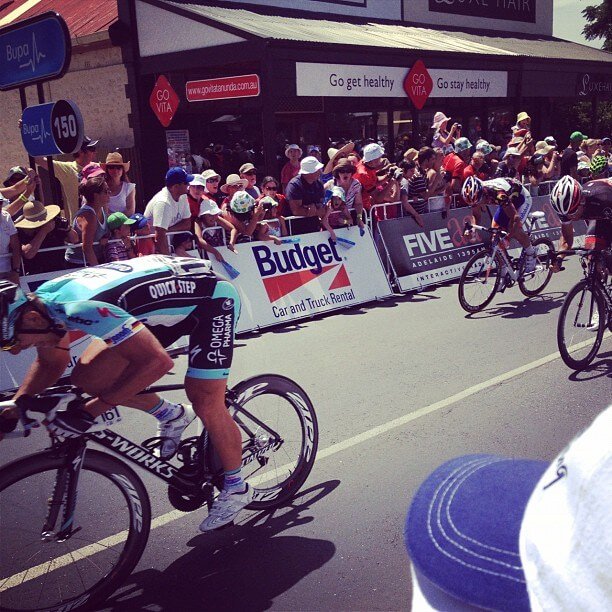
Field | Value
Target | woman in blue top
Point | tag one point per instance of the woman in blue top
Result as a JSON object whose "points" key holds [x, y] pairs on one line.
{"points": [[90, 222]]}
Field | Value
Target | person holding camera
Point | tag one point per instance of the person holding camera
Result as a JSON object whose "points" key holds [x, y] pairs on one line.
{"points": [[442, 138]]}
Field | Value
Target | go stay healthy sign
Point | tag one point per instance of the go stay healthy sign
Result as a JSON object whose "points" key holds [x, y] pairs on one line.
{"points": [[344, 80]]}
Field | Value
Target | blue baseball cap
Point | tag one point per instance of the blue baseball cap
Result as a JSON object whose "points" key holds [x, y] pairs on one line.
{"points": [[462, 529], [177, 176], [139, 220]]}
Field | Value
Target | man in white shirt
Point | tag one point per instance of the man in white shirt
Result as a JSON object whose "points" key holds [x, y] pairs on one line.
{"points": [[168, 210]]}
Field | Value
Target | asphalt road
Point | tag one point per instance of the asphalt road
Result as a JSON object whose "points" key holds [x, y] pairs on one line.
{"points": [[399, 387]]}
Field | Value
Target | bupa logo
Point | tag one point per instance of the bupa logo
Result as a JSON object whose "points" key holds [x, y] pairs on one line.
{"points": [[283, 270]]}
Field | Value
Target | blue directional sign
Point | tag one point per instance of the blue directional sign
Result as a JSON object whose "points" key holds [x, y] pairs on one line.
{"points": [[54, 128], [34, 50]]}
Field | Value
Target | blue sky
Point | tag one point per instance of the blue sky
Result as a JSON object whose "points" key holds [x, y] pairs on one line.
{"points": [[568, 20]]}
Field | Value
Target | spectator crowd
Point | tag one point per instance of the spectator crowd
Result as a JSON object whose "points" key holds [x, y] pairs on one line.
{"points": [[226, 205]]}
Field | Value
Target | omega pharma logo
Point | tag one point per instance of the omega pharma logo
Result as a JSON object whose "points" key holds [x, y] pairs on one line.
{"points": [[418, 84]]}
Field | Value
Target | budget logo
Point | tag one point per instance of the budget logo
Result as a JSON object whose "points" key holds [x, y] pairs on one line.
{"points": [[286, 270]]}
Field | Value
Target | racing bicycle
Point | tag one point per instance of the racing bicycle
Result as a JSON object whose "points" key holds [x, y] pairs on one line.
{"points": [[493, 269], [586, 311], [75, 520]]}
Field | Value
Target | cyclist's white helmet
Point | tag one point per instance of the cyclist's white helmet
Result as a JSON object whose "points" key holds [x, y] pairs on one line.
{"points": [[472, 190], [565, 196]]}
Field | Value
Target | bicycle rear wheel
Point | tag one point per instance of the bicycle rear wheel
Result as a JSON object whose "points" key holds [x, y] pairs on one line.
{"points": [[280, 436], [534, 282], [39, 574], [581, 325], [479, 281]]}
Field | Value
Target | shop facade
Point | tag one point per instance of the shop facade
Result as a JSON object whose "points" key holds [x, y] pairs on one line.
{"points": [[257, 77]]}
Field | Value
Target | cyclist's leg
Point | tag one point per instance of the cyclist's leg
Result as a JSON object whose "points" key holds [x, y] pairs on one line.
{"points": [[518, 227], [211, 345], [566, 241], [99, 370]]}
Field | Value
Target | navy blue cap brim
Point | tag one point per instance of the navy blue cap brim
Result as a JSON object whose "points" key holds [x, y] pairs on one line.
{"points": [[462, 529]]}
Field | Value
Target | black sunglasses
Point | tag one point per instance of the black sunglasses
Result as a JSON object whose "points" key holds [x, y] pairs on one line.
{"points": [[271, 187]]}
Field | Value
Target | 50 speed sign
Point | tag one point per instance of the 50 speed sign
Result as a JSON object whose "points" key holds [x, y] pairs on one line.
{"points": [[54, 128]]}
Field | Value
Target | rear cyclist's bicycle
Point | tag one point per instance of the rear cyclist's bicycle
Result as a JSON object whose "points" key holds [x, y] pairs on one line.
{"points": [[492, 269], [586, 311], [75, 521]]}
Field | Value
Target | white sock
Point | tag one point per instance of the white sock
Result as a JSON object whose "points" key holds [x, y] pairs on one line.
{"points": [[166, 411]]}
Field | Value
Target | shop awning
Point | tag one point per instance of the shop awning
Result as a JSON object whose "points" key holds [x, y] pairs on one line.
{"points": [[395, 36]]}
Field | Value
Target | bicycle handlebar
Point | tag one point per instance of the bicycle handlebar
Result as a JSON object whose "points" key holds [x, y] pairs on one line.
{"points": [[489, 230]]}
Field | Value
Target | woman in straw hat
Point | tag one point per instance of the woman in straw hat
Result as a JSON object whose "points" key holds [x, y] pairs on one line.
{"points": [[39, 226], [122, 192]]}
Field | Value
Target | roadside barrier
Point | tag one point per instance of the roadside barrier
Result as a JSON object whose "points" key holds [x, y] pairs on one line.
{"points": [[418, 257]]}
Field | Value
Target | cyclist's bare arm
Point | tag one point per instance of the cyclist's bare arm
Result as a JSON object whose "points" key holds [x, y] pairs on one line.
{"points": [[49, 365], [147, 361]]}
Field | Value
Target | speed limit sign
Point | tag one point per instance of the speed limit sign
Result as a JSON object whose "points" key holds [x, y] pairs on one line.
{"points": [[54, 128]]}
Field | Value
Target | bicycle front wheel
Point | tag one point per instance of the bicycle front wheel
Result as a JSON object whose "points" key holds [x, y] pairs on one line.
{"points": [[114, 517], [479, 281], [280, 436], [581, 325], [534, 282]]}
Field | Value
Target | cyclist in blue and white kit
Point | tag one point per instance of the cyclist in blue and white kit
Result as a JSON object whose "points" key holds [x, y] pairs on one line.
{"points": [[513, 202], [133, 310]]}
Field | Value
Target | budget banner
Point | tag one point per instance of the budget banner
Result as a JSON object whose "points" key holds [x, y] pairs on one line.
{"points": [[438, 252], [295, 280]]}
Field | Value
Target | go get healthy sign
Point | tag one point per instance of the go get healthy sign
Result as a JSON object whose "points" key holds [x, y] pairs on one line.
{"points": [[343, 80]]}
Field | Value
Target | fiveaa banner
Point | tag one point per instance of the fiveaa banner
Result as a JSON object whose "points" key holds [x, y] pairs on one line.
{"points": [[438, 252]]}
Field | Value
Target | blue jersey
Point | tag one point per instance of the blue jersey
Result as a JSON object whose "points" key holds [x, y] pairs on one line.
{"points": [[114, 301]]}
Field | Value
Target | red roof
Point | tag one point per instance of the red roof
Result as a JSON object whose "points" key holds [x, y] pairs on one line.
{"points": [[82, 16]]}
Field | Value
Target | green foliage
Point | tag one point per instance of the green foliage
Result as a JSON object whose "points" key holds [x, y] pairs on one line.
{"points": [[570, 116], [599, 24]]}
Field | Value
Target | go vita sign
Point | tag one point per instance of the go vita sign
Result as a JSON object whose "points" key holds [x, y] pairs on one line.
{"points": [[418, 82]]}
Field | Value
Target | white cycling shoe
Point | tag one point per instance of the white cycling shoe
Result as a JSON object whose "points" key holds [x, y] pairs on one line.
{"points": [[172, 431], [225, 509], [530, 263]]}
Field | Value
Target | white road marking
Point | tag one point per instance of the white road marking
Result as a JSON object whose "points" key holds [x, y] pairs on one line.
{"points": [[86, 551]]}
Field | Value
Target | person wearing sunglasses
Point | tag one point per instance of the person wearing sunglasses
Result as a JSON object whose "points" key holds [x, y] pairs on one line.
{"points": [[132, 312], [248, 172], [275, 206], [90, 221], [123, 193]]}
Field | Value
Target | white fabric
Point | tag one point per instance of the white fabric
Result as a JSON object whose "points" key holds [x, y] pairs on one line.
{"points": [[164, 211], [566, 536], [7, 229], [118, 203]]}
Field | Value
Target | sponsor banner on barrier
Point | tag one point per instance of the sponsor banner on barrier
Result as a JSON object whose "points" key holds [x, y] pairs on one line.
{"points": [[439, 252], [299, 279]]}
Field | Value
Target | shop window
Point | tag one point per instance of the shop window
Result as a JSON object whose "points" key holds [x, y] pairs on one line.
{"points": [[226, 140], [357, 126]]}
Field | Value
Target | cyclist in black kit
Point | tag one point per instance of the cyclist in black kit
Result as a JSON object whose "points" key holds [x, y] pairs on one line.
{"points": [[592, 202], [133, 309]]}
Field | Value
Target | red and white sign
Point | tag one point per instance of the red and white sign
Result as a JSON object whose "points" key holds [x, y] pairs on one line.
{"points": [[418, 84], [164, 101], [293, 281], [243, 86]]}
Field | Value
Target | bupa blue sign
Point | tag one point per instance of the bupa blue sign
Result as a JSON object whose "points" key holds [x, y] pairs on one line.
{"points": [[55, 128], [34, 50]]}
